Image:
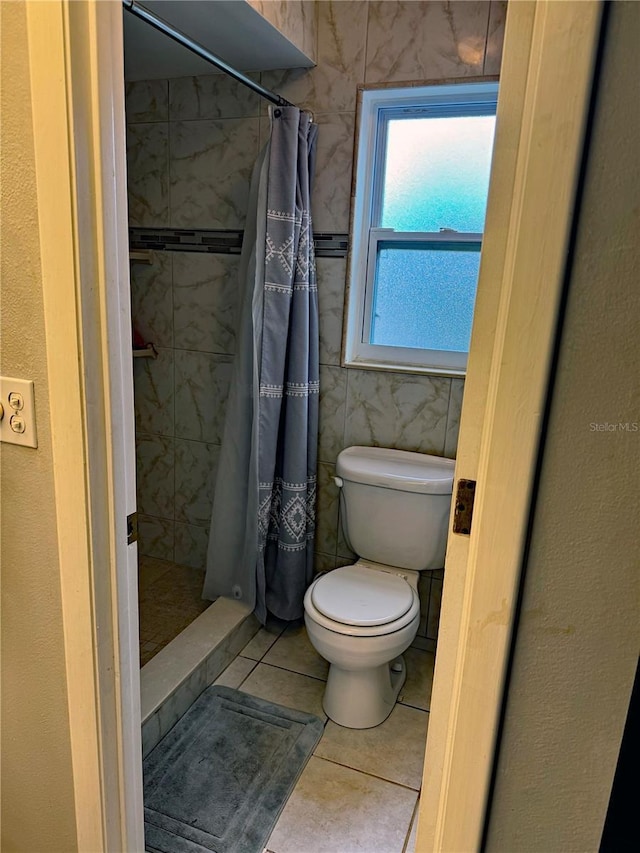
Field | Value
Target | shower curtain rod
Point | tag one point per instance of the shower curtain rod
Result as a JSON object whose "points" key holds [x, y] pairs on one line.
{"points": [[166, 28]]}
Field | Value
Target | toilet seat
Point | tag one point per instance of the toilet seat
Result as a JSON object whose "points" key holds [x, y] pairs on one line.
{"points": [[355, 595], [362, 602]]}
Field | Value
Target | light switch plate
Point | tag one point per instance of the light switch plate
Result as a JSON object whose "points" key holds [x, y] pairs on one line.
{"points": [[18, 422]]}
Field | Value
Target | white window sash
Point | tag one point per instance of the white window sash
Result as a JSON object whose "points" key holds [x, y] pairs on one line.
{"points": [[377, 108]]}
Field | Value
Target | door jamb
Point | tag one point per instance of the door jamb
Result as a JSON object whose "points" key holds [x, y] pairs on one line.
{"points": [[77, 91], [529, 217]]}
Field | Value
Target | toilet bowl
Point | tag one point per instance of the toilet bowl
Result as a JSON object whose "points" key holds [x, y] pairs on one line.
{"points": [[361, 618]]}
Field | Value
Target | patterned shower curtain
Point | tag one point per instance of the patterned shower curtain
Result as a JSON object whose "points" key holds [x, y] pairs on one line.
{"points": [[263, 520]]}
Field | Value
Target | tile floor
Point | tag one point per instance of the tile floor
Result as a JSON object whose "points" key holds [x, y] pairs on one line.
{"points": [[169, 599], [359, 790]]}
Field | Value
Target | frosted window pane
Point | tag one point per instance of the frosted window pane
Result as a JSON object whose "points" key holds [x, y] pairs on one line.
{"points": [[424, 298], [436, 173]]}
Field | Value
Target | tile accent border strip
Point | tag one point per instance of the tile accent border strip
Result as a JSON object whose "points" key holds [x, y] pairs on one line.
{"points": [[227, 242]]}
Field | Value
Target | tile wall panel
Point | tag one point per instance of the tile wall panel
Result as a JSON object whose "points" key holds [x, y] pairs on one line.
{"points": [[153, 393], [147, 100], [202, 385], [196, 464], [152, 299], [425, 40], [495, 36], [148, 174], [155, 469], [210, 170], [205, 301]]}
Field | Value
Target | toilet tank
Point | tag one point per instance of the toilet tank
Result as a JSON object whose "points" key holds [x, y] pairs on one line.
{"points": [[395, 505]]}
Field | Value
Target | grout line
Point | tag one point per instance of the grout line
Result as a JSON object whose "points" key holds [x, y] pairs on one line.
{"points": [[254, 662], [366, 773], [295, 672], [486, 40], [414, 818]]}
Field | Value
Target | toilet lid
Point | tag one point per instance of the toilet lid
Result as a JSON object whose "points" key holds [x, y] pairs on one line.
{"points": [[355, 595]]}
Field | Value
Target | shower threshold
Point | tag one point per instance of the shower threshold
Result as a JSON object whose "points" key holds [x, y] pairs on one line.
{"points": [[174, 678]]}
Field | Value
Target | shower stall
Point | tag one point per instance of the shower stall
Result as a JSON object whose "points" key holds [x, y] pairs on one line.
{"points": [[193, 137]]}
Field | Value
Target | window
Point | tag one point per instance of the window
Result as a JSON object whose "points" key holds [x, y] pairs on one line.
{"points": [[422, 178]]}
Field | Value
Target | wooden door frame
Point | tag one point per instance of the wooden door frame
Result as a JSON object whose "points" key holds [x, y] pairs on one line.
{"points": [[545, 94], [77, 88]]}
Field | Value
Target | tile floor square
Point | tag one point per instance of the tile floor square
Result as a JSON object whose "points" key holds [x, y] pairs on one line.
{"points": [[293, 651], [394, 750], [290, 689], [417, 688], [259, 645], [235, 673], [334, 809]]}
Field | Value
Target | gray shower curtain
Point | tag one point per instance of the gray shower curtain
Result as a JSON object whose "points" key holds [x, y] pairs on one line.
{"points": [[263, 519]]}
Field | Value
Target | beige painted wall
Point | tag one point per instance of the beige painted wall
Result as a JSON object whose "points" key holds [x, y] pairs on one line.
{"points": [[579, 635], [37, 793]]}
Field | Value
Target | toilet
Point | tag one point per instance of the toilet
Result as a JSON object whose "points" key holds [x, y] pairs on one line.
{"points": [[361, 618]]}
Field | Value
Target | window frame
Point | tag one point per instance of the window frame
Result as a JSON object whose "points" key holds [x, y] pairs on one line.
{"points": [[375, 108]]}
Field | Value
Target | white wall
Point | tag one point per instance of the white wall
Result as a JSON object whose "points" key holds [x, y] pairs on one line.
{"points": [[578, 638]]}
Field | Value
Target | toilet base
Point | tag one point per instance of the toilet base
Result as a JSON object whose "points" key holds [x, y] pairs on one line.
{"points": [[363, 698]]}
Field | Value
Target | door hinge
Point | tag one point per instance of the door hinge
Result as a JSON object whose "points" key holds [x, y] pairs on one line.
{"points": [[463, 512], [132, 528]]}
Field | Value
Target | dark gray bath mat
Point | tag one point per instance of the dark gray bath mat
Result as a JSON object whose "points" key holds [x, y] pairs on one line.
{"points": [[220, 778]]}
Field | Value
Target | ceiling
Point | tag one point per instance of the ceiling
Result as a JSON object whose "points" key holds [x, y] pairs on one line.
{"points": [[231, 29]]}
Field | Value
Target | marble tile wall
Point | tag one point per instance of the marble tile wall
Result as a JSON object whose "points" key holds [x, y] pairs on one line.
{"points": [[192, 144]]}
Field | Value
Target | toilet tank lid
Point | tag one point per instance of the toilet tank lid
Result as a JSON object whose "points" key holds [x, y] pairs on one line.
{"points": [[402, 470]]}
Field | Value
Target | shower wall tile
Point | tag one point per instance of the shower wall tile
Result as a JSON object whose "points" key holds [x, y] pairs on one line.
{"points": [[323, 562], [205, 296], [453, 418], [191, 545], [152, 299], [212, 96], [154, 393], [334, 161], [495, 36], [327, 510], [196, 467], [202, 385], [435, 601], [148, 174], [404, 411], [343, 548], [425, 40], [331, 290], [333, 398], [211, 164], [155, 475], [424, 592], [147, 100], [331, 85], [264, 129], [156, 537]]}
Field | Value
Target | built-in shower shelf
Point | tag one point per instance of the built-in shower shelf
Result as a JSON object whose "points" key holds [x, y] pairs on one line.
{"points": [[145, 352], [140, 257]]}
